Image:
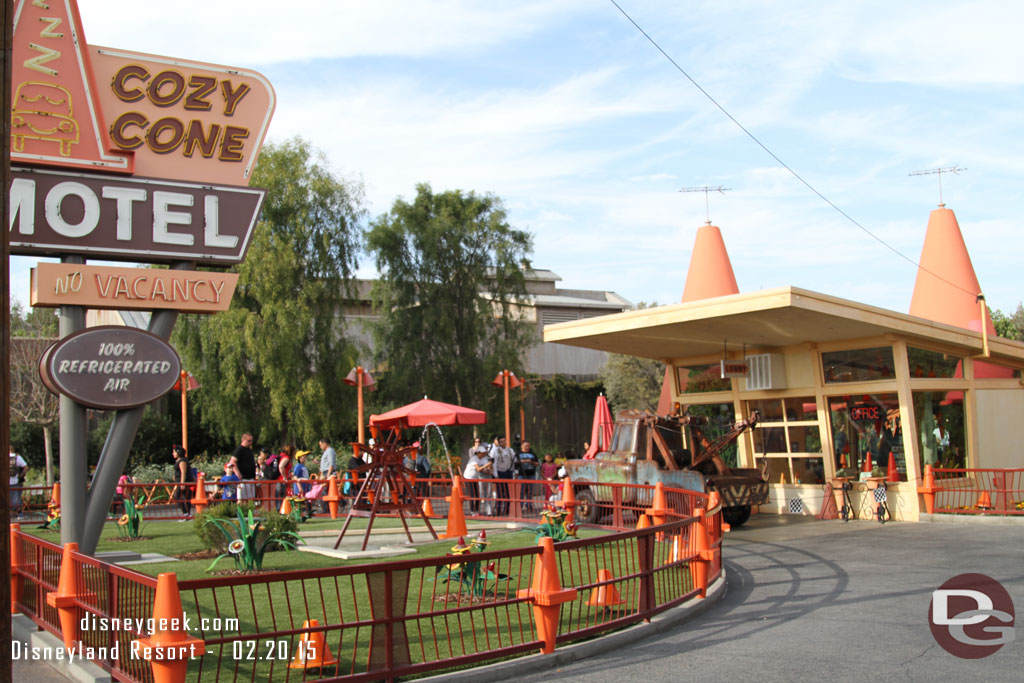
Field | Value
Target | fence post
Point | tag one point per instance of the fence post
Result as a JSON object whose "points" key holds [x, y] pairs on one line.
{"points": [[700, 565], [928, 490], [645, 550], [17, 559], [63, 599], [547, 595], [169, 647]]}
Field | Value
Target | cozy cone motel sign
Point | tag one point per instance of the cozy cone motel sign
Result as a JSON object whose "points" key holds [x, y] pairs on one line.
{"points": [[128, 156]]}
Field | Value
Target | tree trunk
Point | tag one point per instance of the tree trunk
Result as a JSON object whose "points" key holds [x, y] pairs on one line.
{"points": [[48, 447]]}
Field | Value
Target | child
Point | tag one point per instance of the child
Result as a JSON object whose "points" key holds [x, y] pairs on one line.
{"points": [[227, 483], [549, 472]]}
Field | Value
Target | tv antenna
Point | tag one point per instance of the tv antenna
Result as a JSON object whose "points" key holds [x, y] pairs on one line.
{"points": [[706, 189], [939, 171]]}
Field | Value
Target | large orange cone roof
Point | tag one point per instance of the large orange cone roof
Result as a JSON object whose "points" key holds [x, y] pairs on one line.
{"points": [[710, 275], [946, 288], [710, 272]]}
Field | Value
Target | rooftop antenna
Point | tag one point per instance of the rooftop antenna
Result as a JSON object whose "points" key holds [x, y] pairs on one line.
{"points": [[939, 172], [706, 189]]}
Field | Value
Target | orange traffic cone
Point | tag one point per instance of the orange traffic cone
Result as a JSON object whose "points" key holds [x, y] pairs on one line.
{"points": [[286, 506], [842, 461], [63, 599], [313, 652], [606, 595], [428, 509], [456, 516], [928, 490], [546, 594], [568, 499], [893, 474], [332, 497], [984, 501], [55, 496], [867, 464], [169, 648], [17, 559], [200, 500], [644, 522]]}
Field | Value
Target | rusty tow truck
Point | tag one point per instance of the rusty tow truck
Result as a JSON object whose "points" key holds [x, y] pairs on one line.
{"points": [[674, 449]]}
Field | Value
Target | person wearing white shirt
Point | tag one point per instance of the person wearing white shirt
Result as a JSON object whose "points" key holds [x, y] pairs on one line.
{"points": [[478, 467], [17, 478]]}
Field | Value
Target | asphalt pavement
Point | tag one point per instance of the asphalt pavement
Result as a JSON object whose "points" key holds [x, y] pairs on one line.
{"points": [[827, 601]]}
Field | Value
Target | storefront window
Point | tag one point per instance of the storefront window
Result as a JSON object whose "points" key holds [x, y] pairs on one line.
{"points": [[858, 365], [928, 364], [721, 419], [699, 379], [940, 428], [788, 436], [867, 432]]}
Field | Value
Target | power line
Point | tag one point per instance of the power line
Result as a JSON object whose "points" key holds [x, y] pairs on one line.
{"points": [[777, 159]]}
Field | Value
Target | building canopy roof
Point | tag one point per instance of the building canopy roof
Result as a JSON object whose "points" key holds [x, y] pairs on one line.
{"points": [[779, 317]]}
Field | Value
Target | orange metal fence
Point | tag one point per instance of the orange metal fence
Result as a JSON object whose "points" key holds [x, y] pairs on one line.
{"points": [[978, 491], [381, 621]]}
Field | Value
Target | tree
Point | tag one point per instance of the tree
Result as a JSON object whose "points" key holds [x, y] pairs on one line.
{"points": [[1011, 327], [31, 402], [451, 275], [632, 382], [273, 363]]}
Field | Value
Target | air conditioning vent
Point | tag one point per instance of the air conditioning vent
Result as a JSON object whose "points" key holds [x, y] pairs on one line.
{"points": [[767, 371]]}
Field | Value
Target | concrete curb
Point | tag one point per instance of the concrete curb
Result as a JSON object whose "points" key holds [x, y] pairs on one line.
{"points": [[973, 518], [24, 629], [539, 663]]}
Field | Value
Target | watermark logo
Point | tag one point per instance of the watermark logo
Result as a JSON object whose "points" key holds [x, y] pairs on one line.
{"points": [[971, 616]]}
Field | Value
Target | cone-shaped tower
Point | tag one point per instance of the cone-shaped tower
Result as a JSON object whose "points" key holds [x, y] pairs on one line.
{"points": [[946, 288], [710, 275]]}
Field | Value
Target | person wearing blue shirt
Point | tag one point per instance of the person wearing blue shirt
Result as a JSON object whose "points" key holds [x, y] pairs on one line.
{"points": [[228, 483]]}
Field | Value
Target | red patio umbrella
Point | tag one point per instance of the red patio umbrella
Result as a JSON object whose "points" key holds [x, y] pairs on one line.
{"points": [[425, 412], [601, 432]]}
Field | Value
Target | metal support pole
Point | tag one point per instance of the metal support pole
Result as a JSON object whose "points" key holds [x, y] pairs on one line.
{"points": [[118, 443], [74, 464]]}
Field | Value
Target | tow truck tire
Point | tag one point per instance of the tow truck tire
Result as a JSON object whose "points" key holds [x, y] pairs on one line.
{"points": [[586, 507], [736, 516]]}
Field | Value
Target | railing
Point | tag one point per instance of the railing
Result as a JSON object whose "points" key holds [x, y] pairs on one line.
{"points": [[979, 491], [381, 621], [616, 506]]}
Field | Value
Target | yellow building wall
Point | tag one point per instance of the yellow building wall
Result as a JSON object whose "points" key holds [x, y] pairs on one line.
{"points": [[1000, 427], [800, 370]]}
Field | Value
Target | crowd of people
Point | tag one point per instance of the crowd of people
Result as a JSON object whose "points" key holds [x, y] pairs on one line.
{"points": [[260, 474], [499, 461]]}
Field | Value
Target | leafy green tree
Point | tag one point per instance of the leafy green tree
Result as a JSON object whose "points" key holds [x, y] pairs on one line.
{"points": [[273, 363], [632, 382], [1010, 326], [451, 274], [31, 402]]}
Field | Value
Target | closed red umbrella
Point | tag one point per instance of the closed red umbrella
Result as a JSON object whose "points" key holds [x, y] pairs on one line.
{"points": [[425, 412], [601, 432]]}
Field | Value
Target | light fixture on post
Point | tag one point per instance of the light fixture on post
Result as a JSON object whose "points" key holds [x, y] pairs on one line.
{"points": [[508, 380], [359, 378]]}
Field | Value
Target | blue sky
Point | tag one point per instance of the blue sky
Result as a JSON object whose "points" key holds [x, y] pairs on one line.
{"points": [[564, 110]]}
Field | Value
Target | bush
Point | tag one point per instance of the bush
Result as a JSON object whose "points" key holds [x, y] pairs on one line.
{"points": [[213, 538], [147, 474]]}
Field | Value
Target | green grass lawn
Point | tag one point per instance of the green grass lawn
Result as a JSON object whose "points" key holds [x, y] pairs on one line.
{"points": [[274, 604]]}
